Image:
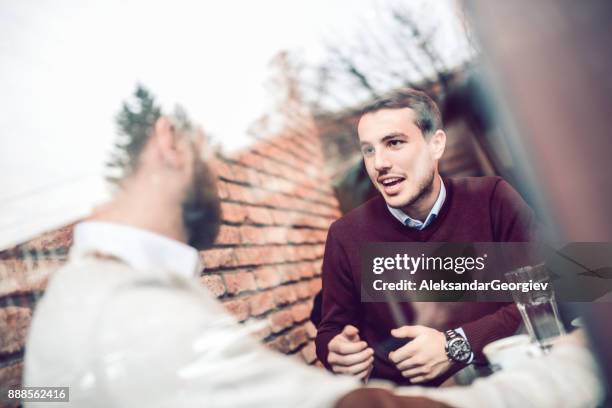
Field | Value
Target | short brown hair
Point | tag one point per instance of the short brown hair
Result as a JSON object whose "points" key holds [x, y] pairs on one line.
{"points": [[428, 117]]}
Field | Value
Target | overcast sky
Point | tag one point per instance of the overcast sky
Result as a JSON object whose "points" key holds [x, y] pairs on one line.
{"points": [[67, 65]]}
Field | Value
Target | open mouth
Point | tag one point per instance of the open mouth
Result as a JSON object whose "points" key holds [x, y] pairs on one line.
{"points": [[391, 185], [391, 181]]}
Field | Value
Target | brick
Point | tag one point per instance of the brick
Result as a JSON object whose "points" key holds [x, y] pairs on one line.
{"points": [[289, 254], [300, 253], [300, 312], [297, 236], [310, 329], [59, 238], [267, 277], [303, 290], [214, 284], [318, 267], [217, 257], [291, 273], [263, 333], [232, 212], [281, 344], [270, 199], [253, 177], [283, 217], [297, 337], [238, 282], [10, 377], [14, 324], [259, 215], [222, 190], [239, 308], [318, 251], [261, 303], [304, 220], [309, 352], [219, 166], [237, 173], [250, 256], [251, 160], [21, 276], [284, 295], [306, 270], [279, 184], [237, 192], [259, 329], [228, 235], [275, 235], [314, 286], [252, 235], [279, 321]]}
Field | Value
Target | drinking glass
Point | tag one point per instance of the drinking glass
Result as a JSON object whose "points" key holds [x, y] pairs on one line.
{"points": [[538, 308]]}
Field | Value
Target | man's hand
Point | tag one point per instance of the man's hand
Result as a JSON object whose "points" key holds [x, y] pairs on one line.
{"points": [[349, 355], [424, 357]]}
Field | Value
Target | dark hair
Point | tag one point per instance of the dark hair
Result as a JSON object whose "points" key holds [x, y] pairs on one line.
{"points": [[135, 123], [428, 117]]}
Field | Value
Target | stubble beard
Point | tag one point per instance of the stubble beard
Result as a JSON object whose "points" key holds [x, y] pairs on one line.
{"points": [[202, 208], [424, 189]]}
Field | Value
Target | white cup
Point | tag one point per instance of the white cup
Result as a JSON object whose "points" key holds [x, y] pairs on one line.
{"points": [[510, 351]]}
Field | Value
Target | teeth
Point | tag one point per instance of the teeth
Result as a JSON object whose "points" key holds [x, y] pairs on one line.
{"points": [[390, 181]]}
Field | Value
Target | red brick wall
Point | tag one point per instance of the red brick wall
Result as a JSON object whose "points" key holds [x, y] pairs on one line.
{"points": [[265, 267]]}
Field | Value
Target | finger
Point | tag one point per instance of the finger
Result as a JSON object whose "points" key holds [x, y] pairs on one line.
{"points": [[352, 359], [351, 332], [407, 331], [354, 369], [357, 368], [345, 347], [415, 372], [364, 374], [412, 362], [419, 379], [406, 351]]}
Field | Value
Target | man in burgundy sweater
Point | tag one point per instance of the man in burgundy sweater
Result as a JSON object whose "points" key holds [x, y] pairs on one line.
{"points": [[402, 141]]}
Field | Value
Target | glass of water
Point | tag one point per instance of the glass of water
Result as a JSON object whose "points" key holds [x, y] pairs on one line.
{"points": [[537, 307]]}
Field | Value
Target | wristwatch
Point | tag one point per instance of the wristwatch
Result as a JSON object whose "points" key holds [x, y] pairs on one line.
{"points": [[457, 347]]}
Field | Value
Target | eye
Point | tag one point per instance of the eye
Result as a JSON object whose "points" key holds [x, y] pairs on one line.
{"points": [[367, 150], [395, 143]]}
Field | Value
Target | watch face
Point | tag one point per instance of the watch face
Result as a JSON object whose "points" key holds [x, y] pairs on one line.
{"points": [[459, 349]]}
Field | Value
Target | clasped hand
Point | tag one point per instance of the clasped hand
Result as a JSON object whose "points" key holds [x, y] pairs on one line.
{"points": [[424, 357]]}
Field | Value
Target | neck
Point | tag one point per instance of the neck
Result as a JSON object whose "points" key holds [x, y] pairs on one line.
{"points": [[421, 207], [143, 210]]}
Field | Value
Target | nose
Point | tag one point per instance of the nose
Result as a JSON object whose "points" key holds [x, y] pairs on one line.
{"points": [[381, 162]]}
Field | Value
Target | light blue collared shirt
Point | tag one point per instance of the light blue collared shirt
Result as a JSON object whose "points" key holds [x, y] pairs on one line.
{"points": [[433, 213]]}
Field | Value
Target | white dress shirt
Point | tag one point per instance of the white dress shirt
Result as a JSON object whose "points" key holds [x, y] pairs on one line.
{"points": [[124, 324]]}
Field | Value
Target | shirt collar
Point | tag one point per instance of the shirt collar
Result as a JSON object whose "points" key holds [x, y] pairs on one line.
{"points": [[141, 249], [433, 213]]}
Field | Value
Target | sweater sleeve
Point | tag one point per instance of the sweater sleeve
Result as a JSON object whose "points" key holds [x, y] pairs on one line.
{"points": [[341, 299], [502, 323], [512, 221]]}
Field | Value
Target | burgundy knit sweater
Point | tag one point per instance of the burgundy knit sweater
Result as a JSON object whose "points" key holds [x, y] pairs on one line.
{"points": [[476, 209]]}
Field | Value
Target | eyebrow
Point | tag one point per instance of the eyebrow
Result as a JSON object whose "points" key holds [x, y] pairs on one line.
{"points": [[387, 137]]}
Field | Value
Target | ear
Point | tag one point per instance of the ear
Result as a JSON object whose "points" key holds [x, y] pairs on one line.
{"points": [[437, 144], [166, 142]]}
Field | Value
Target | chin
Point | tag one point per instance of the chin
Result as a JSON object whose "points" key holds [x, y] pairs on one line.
{"points": [[396, 201], [402, 200]]}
